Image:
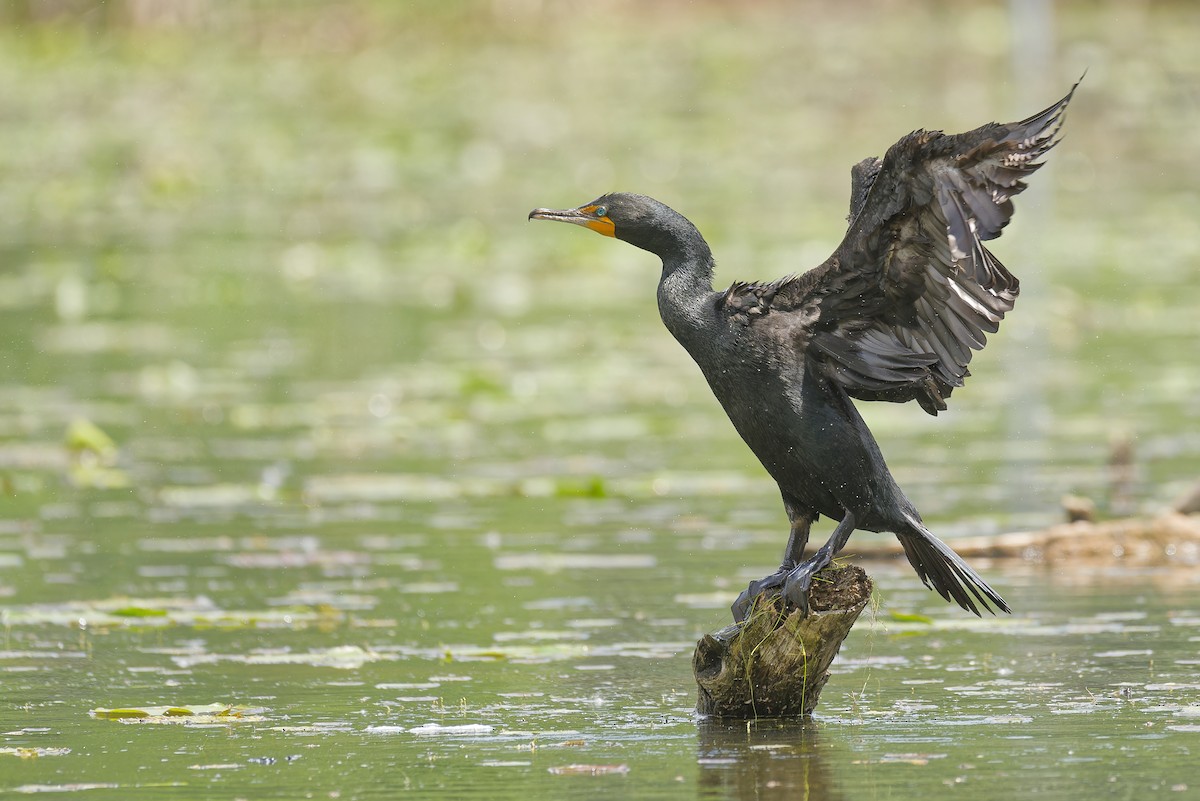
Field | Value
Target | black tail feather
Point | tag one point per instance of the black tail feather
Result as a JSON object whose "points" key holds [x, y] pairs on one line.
{"points": [[944, 572]]}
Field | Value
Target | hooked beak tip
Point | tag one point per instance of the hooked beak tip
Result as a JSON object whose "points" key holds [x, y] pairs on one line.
{"points": [[566, 215]]}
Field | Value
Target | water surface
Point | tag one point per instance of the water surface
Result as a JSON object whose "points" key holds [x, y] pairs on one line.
{"points": [[425, 500]]}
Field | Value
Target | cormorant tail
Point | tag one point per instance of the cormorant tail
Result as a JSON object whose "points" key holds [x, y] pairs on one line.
{"points": [[944, 571]]}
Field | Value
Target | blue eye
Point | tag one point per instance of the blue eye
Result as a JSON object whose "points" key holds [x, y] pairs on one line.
{"points": [[601, 211]]}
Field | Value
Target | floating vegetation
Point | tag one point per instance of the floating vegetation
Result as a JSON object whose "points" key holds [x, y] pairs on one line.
{"points": [[189, 715], [162, 612], [85, 438], [92, 457], [35, 752], [341, 657]]}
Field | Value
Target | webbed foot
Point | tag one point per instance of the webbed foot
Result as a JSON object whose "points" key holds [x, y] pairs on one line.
{"points": [[769, 584], [793, 583]]}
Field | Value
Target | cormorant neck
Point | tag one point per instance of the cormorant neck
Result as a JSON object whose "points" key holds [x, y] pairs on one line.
{"points": [[687, 261], [687, 274], [686, 258]]}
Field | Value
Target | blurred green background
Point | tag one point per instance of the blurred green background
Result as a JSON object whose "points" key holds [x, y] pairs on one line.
{"points": [[211, 206], [276, 333]]}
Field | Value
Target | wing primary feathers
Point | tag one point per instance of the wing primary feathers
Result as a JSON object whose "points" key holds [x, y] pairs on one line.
{"points": [[912, 291]]}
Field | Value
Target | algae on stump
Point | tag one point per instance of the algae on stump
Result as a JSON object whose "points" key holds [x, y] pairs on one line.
{"points": [[774, 665]]}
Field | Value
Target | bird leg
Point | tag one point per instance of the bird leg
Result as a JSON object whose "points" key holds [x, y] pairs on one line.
{"points": [[793, 554], [799, 580], [801, 522]]}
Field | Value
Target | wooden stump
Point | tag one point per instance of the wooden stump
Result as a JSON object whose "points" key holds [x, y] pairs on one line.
{"points": [[774, 665]]}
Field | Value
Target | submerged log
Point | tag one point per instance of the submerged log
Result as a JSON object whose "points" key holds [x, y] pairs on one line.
{"points": [[1170, 538], [775, 664]]}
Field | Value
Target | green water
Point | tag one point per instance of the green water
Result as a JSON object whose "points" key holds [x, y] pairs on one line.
{"points": [[426, 493]]}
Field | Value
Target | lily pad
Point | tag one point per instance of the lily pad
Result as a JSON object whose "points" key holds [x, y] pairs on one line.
{"points": [[201, 714]]}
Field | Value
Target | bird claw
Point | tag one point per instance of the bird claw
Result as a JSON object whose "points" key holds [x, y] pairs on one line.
{"points": [[791, 583], [745, 602], [796, 587]]}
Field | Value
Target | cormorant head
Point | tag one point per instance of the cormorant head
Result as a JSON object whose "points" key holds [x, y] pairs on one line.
{"points": [[639, 220]]}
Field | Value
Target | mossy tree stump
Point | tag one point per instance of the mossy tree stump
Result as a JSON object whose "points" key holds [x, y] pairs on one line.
{"points": [[775, 664]]}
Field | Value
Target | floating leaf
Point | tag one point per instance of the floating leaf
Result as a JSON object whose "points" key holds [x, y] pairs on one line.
{"points": [[590, 488], [138, 611], [118, 714], [195, 714], [93, 454], [85, 436]]}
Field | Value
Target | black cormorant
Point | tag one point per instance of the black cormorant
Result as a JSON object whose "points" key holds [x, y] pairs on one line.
{"points": [[894, 314]]}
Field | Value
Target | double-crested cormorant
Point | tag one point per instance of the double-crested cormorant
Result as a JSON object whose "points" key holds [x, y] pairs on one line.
{"points": [[893, 314]]}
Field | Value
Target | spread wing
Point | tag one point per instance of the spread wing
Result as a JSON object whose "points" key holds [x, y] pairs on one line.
{"points": [[911, 292]]}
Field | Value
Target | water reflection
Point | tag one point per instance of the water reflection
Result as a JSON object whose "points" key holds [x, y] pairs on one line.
{"points": [[764, 759]]}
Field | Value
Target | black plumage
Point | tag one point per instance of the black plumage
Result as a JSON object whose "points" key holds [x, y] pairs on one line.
{"points": [[894, 314]]}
